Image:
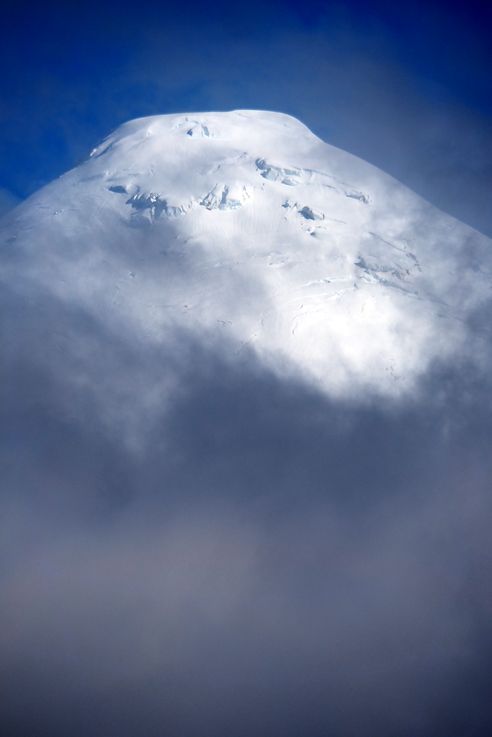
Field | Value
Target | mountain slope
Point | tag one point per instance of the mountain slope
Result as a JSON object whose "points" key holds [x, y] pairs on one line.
{"points": [[246, 228]]}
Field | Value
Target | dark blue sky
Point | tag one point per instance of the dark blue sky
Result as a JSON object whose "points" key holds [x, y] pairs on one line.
{"points": [[406, 86]]}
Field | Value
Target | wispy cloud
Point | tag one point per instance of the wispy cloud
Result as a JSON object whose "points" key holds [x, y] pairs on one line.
{"points": [[266, 552], [8, 200]]}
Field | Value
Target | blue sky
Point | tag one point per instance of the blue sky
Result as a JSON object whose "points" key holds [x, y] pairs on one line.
{"points": [[406, 86]]}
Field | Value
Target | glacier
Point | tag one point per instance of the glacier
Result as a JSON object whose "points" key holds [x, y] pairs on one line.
{"points": [[244, 227]]}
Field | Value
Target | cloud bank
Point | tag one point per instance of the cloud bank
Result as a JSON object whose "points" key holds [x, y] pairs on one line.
{"points": [[267, 560]]}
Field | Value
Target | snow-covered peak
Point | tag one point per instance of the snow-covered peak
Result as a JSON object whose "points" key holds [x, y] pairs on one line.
{"points": [[245, 128], [244, 227]]}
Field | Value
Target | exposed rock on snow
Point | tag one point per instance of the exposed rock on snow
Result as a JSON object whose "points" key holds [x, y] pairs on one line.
{"points": [[224, 197]]}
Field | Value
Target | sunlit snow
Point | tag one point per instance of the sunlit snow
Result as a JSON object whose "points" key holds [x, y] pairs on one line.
{"points": [[246, 226]]}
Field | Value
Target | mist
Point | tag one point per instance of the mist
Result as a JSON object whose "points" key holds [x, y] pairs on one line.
{"points": [[266, 560]]}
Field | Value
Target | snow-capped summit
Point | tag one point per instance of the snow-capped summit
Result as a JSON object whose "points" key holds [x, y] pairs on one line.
{"points": [[245, 226]]}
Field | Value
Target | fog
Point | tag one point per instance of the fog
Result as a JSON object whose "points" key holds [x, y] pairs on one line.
{"points": [[266, 560]]}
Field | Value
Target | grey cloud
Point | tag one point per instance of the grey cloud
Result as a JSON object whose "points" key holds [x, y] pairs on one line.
{"points": [[267, 561]]}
